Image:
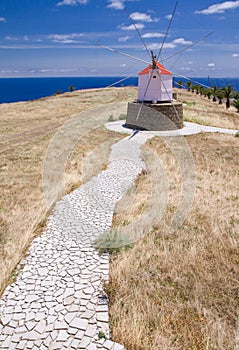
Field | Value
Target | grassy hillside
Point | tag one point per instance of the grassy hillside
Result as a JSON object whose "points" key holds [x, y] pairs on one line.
{"points": [[26, 130]]}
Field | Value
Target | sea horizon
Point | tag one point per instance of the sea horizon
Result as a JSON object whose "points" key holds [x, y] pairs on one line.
{"points": [[20, 89]]}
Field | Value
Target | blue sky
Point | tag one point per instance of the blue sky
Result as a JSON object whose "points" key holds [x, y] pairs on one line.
{"points": [[61, 37]]}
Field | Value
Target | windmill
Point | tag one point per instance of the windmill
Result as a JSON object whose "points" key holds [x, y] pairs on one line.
{"points": [[155, 83], [155, 107]]}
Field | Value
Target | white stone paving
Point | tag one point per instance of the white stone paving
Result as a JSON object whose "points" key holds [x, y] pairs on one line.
{"points": [[188, 129], [58, 301]]}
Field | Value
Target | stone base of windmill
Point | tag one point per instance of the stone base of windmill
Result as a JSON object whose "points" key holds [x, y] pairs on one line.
{"points": [[155, 117]]}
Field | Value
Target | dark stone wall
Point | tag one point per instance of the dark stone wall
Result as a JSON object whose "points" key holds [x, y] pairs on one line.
{"points": [[158, 117]]}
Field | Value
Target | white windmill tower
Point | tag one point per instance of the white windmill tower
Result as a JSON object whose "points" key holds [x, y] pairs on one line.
{"points": [[155, 108], [155, 83]]}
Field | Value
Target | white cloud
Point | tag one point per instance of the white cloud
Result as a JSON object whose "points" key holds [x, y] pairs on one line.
{"points": [[185, 68], [17, 38], [211, 65], [116, 5], [123, 65], [139, 16], [72, 2], [168, 16], [157, 46], [235, 55], [2, 19], [219, 8], [173, 44], [152, 35], [65, 38], [182, 41], [132, 27], [123, 39]]}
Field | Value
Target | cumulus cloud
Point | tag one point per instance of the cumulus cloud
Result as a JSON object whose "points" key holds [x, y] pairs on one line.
{"points": [[17, 38], [144, 17], [219, 8], [116, 4], [139, 26], [72, 2], [123, 39], [157, 46], [172, 45], [168, 16], [2, 19], [65, 38], [182, 41], [235, 55], [211, 65], [152, 35]]}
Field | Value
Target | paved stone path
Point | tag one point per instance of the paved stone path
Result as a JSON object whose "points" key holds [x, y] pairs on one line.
{"points": [[189, 129], [58, 301]]}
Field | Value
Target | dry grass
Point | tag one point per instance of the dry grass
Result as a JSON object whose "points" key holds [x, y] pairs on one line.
{"points": [[201, 110], [180, 291], [26, 130]]}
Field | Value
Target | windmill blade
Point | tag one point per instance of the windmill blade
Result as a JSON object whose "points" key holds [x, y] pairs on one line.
{"points": [[120, 81], [124, 54], [194, 81], [169, 25], [188, 47], [137, 30]]}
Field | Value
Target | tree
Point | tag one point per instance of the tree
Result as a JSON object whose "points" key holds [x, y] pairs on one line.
{"points": [[71, 88], [214, 92], [220, 95], [189, 85], [197, 88], [180, 84], [209, 93], [202, 90], [228, 93], [193, 88]]}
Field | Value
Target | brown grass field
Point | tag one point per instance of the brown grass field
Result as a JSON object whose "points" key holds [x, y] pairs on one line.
{"points": [[180, 291], [169, 291]]}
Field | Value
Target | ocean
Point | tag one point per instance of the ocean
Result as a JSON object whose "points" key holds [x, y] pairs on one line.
{"points": [[25, 89]]}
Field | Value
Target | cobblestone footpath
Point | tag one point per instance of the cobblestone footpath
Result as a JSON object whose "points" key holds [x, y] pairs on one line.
{"points": [[57, 300]]}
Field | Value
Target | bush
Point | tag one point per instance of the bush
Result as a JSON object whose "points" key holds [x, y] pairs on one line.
{"points": [[58, 92], [122, 116], [111, 118]]}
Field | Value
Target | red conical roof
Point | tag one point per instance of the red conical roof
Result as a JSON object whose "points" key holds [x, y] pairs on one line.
{"points": [[162, 69]]}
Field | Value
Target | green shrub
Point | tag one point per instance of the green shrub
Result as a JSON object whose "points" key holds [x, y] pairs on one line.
{"points": [[122, 116], [112, 241], [111, 118], [58, 92]]}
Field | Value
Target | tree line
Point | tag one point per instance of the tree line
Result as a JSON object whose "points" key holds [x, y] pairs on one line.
{"points": [[225, 94]]}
